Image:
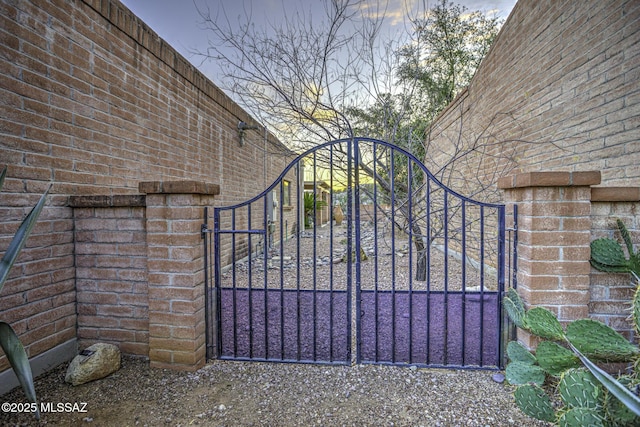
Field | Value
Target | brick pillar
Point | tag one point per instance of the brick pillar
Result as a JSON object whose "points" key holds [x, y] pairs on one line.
{"points": [[176, 272], [554, 234]]}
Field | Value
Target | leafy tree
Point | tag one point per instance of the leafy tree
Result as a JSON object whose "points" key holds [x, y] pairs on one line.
{"points": [[311, 80]]}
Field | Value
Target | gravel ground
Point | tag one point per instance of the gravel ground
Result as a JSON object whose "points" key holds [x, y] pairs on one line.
{"points": [[261, 394]]}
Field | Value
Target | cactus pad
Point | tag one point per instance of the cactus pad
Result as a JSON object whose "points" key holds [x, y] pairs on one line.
{"points": [[607, 255], [543, 323], [518, 373], [580, 417], [579, 389], [597, 340], [555, 359], [533, 401], [515, 307], [518, 353]]}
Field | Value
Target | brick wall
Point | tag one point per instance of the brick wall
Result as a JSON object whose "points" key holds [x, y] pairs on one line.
{"points": [[92, 100], [558, 91], [557, 94], [111, 272]]}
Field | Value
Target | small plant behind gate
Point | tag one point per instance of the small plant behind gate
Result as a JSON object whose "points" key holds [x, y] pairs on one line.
{"points": [[560, 383]]}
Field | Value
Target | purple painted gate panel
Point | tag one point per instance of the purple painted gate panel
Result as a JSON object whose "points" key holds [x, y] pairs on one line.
{"points": [[435, 329], [315, 325]]}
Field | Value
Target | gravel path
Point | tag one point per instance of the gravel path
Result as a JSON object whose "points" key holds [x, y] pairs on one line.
{"points": [[259, 394]]}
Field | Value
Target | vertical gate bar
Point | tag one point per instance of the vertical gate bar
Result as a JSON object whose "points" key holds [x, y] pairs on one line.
{"points": [[315, 266], [375, 249], [392, 179], [349, 249], [207, 290], [234, 300], [281, 219], [482, 283], [300, 205], [411, 237], [264, 276], [356, 161], [216, 237], [501, 280], [250, 282], [331, 253], [464, 280], [428, 262], [445, 223]]}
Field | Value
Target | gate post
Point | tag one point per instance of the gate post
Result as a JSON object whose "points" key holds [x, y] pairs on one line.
{"points": [[176, 272], [554, 234]]}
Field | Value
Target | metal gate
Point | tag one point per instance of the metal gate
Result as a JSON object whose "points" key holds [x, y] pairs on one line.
{"points": [[414, 273]]}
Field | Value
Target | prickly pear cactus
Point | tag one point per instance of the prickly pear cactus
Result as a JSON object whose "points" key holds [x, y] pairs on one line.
{"points": [[555, 359], [619, 414], [590, 397], [607, 254], [518, 373], [579, 389], [515, 307], [598, 341], [580, 417], [533, 401], [543, 323], [519, 353]]}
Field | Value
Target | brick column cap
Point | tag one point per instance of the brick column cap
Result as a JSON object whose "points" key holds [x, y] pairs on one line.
{"points": [[179, 187], [615, 194], [107, 201], [549, 179]]}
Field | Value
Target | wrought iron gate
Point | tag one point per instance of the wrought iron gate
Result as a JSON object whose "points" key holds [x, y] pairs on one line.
{"points": [[414, 274]]}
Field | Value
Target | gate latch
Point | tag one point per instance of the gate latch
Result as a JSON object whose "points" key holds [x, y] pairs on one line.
{"points": [[204, 230]]}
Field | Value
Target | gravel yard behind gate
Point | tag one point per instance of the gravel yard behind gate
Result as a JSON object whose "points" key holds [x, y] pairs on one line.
{"points": [[276, 394]]}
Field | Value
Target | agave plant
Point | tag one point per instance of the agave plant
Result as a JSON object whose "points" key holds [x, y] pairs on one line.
{"points": [[9, 341], [311, 204]]}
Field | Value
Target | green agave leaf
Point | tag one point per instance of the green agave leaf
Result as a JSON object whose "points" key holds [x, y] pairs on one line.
{"points": [[543, 323], [623, 394], [519, 353], [635, 307], [19, 239], [597, 340], [518, 373], [2, 175], [515, 307], [579, 389], [533, 401], [555, 359], [19, 361], [580, 417]]}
